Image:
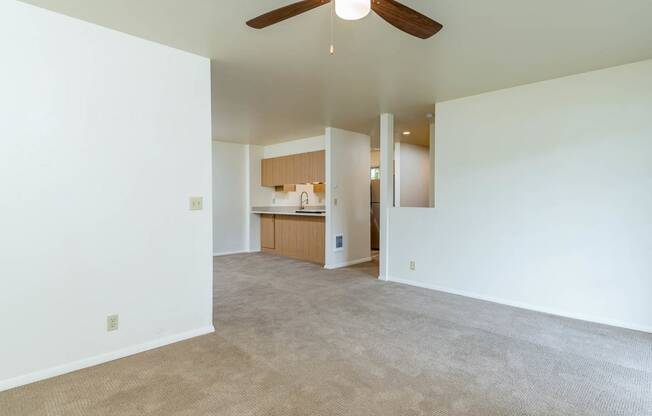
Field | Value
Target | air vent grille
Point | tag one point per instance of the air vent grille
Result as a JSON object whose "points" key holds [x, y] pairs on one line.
{"points": [[339, 242]]}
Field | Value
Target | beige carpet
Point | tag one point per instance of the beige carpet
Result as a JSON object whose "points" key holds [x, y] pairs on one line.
{"points": [[293, 339]]}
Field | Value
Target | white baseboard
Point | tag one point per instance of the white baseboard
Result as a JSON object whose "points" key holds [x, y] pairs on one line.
{"points": [[347, 264], [100, 359], [522, 305], [229, 253]]}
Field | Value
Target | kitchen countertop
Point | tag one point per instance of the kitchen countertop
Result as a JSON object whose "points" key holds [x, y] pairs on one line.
{"points": [[288, 211]]}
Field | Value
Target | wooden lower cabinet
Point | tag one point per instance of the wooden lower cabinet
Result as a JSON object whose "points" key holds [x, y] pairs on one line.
{"points": [[267, 234], [299, 237]]}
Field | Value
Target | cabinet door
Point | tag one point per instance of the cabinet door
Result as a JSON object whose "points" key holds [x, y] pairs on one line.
{"points": [[301, 163], [311, 240], [272, 172], [266, 172], [310, 167], [277, 171], [301, 237], [317, 165], [267, 231], [287, 169], [287, 230]]}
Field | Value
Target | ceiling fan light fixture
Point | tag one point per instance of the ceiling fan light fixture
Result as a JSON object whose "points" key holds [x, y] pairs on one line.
{"points": [[392, 11], [352, 9]]}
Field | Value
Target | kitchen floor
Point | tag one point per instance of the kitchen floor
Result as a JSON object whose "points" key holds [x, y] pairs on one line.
{"points": [[295, 339]]}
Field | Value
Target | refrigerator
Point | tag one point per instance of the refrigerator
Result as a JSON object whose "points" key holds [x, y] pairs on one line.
{"points": [[375, 214]]}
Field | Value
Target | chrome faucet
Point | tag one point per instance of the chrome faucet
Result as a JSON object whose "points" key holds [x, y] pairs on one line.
{"points": [[303, 206]]}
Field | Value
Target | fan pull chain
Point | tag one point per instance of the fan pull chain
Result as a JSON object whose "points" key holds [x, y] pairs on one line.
{"points": [[332, 50]]}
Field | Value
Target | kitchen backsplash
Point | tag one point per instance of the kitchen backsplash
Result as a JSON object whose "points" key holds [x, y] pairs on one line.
{"points": [[292, 199]]}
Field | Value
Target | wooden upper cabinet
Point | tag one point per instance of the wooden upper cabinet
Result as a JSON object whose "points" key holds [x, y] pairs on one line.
{"points": [[310, 167], [317, 166], [266, 172], [288, 170], [270, 172], [301, 168], [294, 169]]}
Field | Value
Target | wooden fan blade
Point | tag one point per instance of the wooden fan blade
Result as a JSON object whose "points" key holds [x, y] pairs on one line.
{"points": [[286, 12], [406, 19]]}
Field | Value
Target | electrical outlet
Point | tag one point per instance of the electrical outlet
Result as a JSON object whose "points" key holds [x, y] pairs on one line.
{"points": [[196, 203], [112, 323], [413, 265]]}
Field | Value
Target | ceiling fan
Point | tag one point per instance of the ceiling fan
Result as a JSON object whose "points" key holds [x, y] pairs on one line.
{"points": [[396, 14]]}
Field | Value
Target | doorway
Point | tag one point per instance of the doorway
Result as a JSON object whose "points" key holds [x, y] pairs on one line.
{"points": [[375, 209]]}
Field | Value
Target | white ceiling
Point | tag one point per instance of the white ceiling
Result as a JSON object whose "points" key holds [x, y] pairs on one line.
{"points": [[280, 83]]}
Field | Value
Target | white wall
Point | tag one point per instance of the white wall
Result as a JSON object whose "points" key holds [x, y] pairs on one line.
{"points": [[432, 164], [293, 147], [544, 199], [230, 201], [347, 181], [412, 175], [104, 137]]}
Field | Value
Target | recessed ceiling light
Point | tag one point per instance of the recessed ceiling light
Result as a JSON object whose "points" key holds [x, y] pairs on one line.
{"points": [[406, 133]]}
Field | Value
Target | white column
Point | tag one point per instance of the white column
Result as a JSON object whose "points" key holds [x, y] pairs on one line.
{"points": [[250, 218], [328, 228], [432, 162], [397, 175], [386, 188]]}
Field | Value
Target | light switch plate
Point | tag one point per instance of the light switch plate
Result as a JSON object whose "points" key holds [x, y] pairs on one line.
{"points": [[413, 265], [196, 203], [112, 322]]}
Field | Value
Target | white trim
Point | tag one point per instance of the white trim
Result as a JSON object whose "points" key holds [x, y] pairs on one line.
{"points": [[248, 196], [347, 263], [100, 359], [228, 253], [522, 305]]}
